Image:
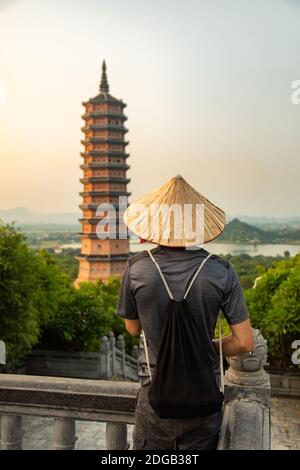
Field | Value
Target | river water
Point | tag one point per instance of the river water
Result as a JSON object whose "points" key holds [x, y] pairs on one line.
{"points": [[267, 249]]}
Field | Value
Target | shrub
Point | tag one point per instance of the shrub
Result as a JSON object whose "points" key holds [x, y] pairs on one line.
{"points": [[30, 288], [79, 321], [83, 316], [19, 323], [274, 307]]}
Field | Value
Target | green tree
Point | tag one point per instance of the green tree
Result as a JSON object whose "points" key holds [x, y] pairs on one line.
{"points": [[31, 289], [67, 262], [19, 323], [284, 318], [53, 286], [19, 320], [110, 295], [39, 305], [79, 321], [274, 307], [83, 316]]}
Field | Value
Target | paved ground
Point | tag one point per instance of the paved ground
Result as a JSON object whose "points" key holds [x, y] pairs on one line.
{"points": [[285, 423], [38, 432]]}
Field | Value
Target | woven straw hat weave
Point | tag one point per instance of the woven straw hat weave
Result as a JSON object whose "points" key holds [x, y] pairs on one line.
{"points": [[175, 215]]}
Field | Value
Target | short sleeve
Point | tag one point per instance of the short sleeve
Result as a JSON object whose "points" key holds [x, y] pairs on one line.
{"points": [[127, 307], [233, 303]]}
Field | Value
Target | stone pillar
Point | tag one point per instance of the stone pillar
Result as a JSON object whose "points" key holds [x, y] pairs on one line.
{"points": [[116, 436], [121, 346], [135, 351], [112, 340], [2, 352], [11, 432], [135, 354], [247, 402], [64, 433], [104, 352]]}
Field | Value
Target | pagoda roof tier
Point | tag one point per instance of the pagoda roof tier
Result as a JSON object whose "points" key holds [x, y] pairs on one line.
{"points": [[99, 217], [107, 114], [106, 165], [96, 220], [94, 236], [105, 127], [99, 140], [105, 193], [105, 179], [105, 98], [102, 153], [108, 257], [94, 206]]}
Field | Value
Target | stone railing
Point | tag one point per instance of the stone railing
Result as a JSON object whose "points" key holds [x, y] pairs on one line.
{"points": [[246, 419], [247, 405], [66, 400], [111, 362], [285, 382]]}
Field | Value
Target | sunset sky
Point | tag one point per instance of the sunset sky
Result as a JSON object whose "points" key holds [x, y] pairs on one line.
{"points": [[208, 89]]}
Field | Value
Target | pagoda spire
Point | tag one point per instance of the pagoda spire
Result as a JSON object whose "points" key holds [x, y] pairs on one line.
{"points": [[104, 87]]}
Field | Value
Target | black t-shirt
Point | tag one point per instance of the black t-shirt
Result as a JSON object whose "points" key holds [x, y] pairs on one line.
{"points": [[143, 295]]}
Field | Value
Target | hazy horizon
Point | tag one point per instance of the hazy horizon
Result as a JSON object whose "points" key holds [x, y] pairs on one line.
{"points": [[208, 89], [25, 211]]}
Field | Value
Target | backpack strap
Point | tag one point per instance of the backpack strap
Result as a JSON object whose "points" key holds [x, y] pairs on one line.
{"points": [[196, 274], [221, 355], [161, 275], [147, 355]]}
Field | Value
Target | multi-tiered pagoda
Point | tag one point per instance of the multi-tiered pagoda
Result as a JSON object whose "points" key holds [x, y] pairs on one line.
{"points": [[104, 181]]}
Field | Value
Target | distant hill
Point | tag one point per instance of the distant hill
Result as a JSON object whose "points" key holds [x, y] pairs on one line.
{"points": [[23, 216], [241, 232], [18, 213], [268, 223], [237, 231], [267, 229]]}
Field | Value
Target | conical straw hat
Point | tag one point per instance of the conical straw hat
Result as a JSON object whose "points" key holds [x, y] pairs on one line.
{"points": [[175, 215]]}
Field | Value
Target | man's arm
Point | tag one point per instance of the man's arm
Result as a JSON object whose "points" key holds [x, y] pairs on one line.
{"points": [[241, 340], [127, 307], [234, 308], [133, 327]]}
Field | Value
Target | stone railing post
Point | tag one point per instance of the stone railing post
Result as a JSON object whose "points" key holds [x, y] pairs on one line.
{"points": [[112, 341], [2, 352], [116, 436], [135, 355], [135, 351], [64, 433], [121, 346], [105, 350], [11, 432], [246, 419]]}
